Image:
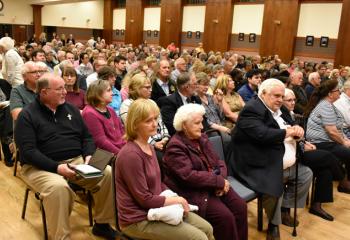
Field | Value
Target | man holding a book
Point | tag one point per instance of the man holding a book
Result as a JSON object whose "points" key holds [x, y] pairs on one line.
{"points": [[53, 139]]}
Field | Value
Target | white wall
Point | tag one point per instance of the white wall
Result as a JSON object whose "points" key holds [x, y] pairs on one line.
{"points": [[119, 16], [76, 15], [16, 12], [193, 18], [320, 19], [151, 19], [248, 18]]}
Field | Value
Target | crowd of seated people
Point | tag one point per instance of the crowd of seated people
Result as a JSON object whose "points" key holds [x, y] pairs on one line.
{"points": [[146, 102]]}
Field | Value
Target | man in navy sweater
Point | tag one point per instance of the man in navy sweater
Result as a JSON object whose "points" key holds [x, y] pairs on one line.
{"points": [[51, 134]]}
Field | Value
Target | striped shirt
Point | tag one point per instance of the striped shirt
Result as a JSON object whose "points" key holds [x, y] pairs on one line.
{"points": [[324, 114]]}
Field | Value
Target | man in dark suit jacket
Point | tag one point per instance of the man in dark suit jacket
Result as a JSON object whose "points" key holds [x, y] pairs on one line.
{"points": [[260, 157], [162, 84], [186, 84]]}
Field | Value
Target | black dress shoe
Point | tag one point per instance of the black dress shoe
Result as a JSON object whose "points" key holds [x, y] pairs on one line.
{"points": [[322, 214], [104, 230], [288, 220], [9, 163], [273, 232], [343, 189]]}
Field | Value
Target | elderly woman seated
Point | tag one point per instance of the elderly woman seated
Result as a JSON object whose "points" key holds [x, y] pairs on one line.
{"points": [[323, 164], [101, 120], [195, 172], [325, 126], [139, 189]]}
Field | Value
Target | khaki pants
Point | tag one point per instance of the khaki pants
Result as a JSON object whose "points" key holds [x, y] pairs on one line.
{"points": [[192, 228], [58, 197]]}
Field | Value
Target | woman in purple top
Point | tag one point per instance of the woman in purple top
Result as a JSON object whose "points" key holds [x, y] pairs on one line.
{"points": [[138, 184], [101, 120], [75, 96], [194, 171]]}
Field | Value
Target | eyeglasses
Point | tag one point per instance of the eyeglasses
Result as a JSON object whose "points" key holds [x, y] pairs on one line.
{"points": [[60, 89], [37, 72], [289, 100]]}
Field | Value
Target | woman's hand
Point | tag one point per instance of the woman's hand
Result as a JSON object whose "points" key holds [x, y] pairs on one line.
{"points": [[309, 146], [177, 200], [346, 143], [218, 96], [159, 145], [227, 186], [221, 192]]}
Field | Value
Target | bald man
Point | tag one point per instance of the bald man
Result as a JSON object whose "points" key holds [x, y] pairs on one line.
{"points": [[51, 134]]}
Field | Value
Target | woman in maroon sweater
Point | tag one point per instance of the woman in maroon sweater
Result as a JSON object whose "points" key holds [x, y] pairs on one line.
{"points": [[75, 96], [101, 120], [194, 171], [138, 183]]}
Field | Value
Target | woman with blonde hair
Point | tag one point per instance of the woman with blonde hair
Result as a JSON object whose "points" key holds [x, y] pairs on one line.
{"points": [[140, 87], [139, 187], [232, 103]]}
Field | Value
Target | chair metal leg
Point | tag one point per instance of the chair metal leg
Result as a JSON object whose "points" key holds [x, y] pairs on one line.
{"points": [[260, 214], [43, 215], [89, 199], [25, 203], [15, 165]]}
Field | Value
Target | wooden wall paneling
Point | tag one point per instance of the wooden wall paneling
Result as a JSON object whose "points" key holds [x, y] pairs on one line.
{"points": [[218, 25], [134, 22], [107, 33], [170, 22], [37, 20], [279, 28], [342, 56], [19, 33], [80, 34]]}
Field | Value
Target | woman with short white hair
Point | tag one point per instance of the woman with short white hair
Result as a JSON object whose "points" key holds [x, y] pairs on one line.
{"points": [[195, 172], [12, 62]]}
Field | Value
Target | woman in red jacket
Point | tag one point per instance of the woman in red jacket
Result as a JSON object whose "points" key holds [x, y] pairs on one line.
{"points": [[195, 172]]}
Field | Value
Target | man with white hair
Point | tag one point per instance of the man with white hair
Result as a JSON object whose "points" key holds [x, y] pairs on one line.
{"points": [[12, 62], [296, 80], [180, 67], [263, 155], [314, 82], [24, 94]]}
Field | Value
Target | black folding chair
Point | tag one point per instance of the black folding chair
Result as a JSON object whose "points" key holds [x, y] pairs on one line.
{"points": [[243, 191]]}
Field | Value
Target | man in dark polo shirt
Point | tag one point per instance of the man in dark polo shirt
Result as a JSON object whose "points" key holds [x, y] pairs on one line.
{"points": [[51, 134], [25, 93]]}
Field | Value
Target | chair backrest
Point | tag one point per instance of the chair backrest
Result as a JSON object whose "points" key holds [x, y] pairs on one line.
{"points": [[113, 163], [218, 146]]}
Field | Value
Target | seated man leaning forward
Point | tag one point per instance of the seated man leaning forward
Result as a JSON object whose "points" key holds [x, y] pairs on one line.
{"points": [[264, 155], [51, 133]]}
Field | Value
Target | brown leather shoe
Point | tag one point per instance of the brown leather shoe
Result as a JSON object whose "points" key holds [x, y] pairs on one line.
{"points": [[273, 232], [288, 220]]}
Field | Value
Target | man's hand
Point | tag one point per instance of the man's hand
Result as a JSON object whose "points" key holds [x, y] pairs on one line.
{"points": [[295, 132], [87, 159], [65, 171]]}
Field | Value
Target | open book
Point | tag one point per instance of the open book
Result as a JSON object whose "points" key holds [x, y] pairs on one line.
{"points": [[98, 162]]}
